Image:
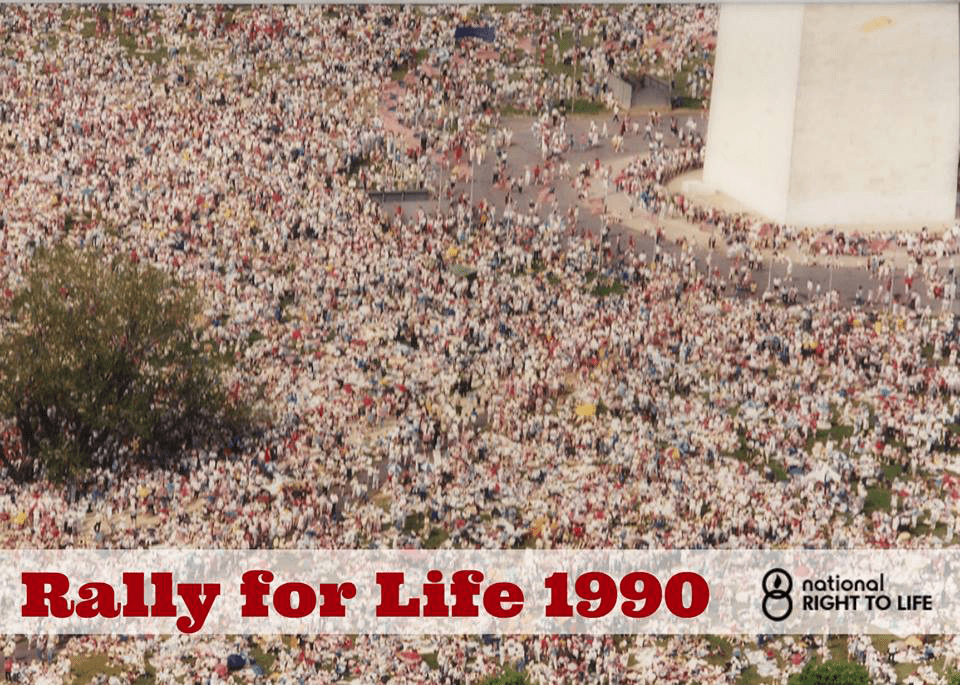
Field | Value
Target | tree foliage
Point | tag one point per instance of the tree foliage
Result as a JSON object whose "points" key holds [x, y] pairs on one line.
{"points": [[831, 673], [101, 357]]}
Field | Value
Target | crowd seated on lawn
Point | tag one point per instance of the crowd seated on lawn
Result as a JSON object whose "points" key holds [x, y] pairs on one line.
{"points": [[463, 377]]}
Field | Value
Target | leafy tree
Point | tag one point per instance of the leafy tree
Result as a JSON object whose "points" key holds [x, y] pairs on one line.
{"points": [[102, 357], [831, 673]]}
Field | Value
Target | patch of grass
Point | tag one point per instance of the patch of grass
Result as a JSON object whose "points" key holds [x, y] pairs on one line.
{"points": [[940, 530], [128, 42], [743, 453], [837, 432], [605, 289], [558, 67], [85, 667], [158, 56], [412, 523], [269, 67], [436, 538], [891, 471], [528, 541], [903, 671], [582, 106], [720, 645], [264, 659], [779, 473], [149, 675], [838, 648], [430, 658], [685, 102], [89, 29], [508, 676], [877, 499], [512, 110], [564, 40]]}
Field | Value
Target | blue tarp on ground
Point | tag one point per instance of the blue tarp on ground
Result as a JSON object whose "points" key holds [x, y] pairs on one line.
{"points": [[487, 33]]}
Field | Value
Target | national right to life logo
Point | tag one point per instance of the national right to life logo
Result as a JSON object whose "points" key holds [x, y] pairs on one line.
{"points": [[777, 603]]}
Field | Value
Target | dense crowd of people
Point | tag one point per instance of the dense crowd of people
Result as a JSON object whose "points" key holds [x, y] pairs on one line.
{"points": [[646, 180], [487, 374]]}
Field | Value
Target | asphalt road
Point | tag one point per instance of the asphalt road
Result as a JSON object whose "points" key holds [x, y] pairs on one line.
{"points": [[524, 153]]}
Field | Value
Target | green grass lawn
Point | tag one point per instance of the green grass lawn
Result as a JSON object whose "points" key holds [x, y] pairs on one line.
{"points": [[413, 523], [436, 538], [837, 433], [264, 659], [512, 110], [564, 41], [836, 645], [877, 499], [583, 106], [940, 530], [83, 668], [606, 289], [149, 676], [685, 102], [779, 473]]}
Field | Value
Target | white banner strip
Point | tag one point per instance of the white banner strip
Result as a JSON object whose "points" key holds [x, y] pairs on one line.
{"points": [[475, 592]]}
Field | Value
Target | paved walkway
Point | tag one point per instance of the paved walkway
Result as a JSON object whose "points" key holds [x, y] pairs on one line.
{"points": [[845, 274]]}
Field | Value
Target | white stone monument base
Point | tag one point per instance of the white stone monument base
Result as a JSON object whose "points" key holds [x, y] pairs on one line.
{"points": [[837, 114]]}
